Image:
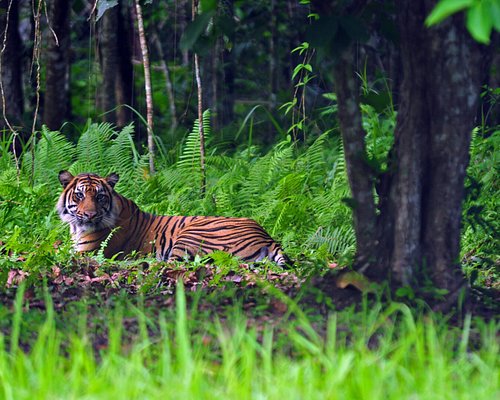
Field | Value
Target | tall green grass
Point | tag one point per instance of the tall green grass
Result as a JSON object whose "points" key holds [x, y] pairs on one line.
{"points": [[392, 355]]}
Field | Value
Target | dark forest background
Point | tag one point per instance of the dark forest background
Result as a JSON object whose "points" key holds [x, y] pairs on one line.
{"points": [[95, 67]]}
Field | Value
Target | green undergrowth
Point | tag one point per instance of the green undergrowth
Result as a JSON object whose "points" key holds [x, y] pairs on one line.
{"points": [[380, 352], [295, 191], [480, 244]]}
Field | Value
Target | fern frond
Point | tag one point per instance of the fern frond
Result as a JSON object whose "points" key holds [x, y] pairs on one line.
{"points": [[280, 161], [189, 159], [340, 241], [91, 150], [314, 157], [53, 153]]}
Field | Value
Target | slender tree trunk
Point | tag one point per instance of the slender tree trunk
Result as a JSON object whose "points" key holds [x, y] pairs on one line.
{"points": [[57, 98], [147, 85], [10, 77], [200, 107], [109, 62], [37, 48], [124, 85], [12, 93], [200, 123]]}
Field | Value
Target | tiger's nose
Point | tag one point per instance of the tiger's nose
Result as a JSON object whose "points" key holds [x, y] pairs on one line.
{"points": [[90, 214]]}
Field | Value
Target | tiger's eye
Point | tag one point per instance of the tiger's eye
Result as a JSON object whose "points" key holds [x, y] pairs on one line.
{"points": [[79, 195], [100, 197]]}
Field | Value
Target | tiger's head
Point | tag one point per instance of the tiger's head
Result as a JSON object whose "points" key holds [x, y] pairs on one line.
{"points": [[87, 202]]}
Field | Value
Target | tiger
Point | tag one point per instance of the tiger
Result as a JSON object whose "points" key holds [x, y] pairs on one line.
{"points": [[99, 216]]}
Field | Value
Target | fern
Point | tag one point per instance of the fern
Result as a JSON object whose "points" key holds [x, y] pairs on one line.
{"points": [[92, 149], [6, 156], [314, 157], [124, 159], [53, 153], [339, 241], [190, 157], [280, 161], [102, 150]]}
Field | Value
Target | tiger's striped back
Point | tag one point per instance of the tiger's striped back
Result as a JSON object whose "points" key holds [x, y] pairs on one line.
{"points": [[95, 211]]}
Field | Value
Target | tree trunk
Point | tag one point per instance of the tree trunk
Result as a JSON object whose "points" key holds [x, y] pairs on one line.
{"points": [[412, 235], [182, 20], [147, 86], [439, 95], [57, 99], [12, 96], [404, 249], [109, 61], [124, 84], [228, 71], [358, 171], [228, 88], [453, 87], [273, 59], [212, 84]]}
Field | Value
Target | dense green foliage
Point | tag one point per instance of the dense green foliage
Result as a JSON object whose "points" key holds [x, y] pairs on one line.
{"points": [[298, 192], [480, 247]]}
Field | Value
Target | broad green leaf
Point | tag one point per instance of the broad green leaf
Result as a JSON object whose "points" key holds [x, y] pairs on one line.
{"points": [[303, 46], [495, 13], [479, 22], [300, 67], [445, 8]]}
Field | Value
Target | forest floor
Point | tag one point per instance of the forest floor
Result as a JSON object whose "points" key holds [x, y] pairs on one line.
{"points": [[265, 294]]}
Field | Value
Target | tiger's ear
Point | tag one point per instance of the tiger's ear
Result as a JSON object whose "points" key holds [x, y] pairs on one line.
{"points": [[65, 178], [112, 179]]}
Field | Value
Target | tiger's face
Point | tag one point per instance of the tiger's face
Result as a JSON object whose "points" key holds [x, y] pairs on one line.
{"points": [[87, 202]]}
